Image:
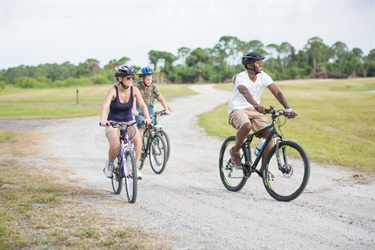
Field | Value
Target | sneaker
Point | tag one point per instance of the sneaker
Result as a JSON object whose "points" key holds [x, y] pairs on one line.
{"points": [[139, 174], [107, 170]]}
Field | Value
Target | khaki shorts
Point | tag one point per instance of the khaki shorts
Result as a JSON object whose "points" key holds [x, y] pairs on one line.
{"points": [[238, 117]]}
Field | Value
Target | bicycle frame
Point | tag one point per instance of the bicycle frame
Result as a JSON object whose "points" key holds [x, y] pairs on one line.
{"points": [[124, 145], [274, 134], [150, 129]]}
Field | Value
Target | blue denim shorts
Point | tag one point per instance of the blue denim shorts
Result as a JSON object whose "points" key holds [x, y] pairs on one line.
{"points": [[139, 118]]}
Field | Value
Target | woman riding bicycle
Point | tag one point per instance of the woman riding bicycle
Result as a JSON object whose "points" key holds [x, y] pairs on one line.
{"points": [[245, 103], [119, 101]]}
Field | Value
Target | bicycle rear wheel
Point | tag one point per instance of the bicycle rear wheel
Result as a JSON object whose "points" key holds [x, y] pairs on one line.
{"points": [[143, 154], [232, 178], [165, 137], [158, 154], [130, 175], [287, 178], [117, 177]]}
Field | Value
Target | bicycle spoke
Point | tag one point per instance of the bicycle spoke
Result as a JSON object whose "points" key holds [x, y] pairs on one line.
{"points": [[131, 176], [158, 154], [288, 174], [117, 178], [232, 177]]}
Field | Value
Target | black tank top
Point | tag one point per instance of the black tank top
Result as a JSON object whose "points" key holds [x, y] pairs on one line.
{"points": [[121, 112]]}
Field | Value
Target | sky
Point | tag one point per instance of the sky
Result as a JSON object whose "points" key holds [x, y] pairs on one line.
{"points": [[39, 32]]}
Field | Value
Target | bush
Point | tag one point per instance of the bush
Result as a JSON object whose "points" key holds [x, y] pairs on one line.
{"points": [[31, 83]]}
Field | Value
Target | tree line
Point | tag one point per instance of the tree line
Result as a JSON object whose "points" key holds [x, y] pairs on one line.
{"points": [[215, 65]]}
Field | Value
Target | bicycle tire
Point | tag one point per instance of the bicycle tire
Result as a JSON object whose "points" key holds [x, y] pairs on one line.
{"points": [[165, 136], [144, 154], [289, 185], [117, 177], [158, 154], [232, 179], [131, 175]]}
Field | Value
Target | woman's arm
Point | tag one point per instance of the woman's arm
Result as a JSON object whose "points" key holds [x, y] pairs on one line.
{"points": [[111, 94]]}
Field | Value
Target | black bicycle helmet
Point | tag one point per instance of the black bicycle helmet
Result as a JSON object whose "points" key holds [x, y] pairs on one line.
{"points": [[124, 70], [251, 57]]}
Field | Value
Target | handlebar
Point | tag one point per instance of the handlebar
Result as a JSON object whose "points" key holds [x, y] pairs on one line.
{"points": [[121, 125], [276, 113], [157, 113]]}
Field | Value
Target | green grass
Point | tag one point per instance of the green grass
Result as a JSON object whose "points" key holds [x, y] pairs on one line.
{"points": [[41, 208], [335, 122], [63, 102]]}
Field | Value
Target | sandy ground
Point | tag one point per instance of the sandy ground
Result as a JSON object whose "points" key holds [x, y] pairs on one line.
{"points": [[190, 206]]}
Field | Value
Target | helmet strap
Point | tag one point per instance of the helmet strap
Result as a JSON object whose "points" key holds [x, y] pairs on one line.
{"points": [[121, 83], [253, 69]]}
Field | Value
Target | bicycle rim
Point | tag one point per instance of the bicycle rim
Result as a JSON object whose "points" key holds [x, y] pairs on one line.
{"points": [[117, 178], [130, 176], [158, 154], [143, 156], [233, 179], [165, 137], [288, 182]]}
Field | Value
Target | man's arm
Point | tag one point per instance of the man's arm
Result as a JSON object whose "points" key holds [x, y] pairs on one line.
{"points": [[278, 95], [249, 98]]}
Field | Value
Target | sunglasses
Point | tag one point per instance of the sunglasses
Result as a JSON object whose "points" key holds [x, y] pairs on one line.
{"points": [[130, 77]]}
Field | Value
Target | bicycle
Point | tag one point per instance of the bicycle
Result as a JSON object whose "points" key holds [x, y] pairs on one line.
{"points": [[286, 166], [124, 164], [158, 128], [155, 144]]}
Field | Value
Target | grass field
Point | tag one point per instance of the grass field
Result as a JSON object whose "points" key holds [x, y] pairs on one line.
{"points": [[335, 122], [63, 102]]}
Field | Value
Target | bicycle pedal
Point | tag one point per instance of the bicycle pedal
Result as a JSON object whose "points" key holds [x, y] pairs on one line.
{"points": [[234, 166]]}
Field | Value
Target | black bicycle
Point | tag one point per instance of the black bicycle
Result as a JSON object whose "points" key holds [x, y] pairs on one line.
{"points": [[124, 165], [159, 130], [156, 145], [286, 166]]}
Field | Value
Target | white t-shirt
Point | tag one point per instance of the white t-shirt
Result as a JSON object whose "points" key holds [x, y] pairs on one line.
{"points": [[256, 89]]}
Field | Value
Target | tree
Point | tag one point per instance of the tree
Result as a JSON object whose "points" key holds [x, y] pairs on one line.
{"points": [[369, 63], [228, 48], [182, 53], [113, 63], [318, 52], [155, 56]]}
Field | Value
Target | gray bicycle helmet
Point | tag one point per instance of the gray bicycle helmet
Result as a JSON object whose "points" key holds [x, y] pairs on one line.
{"points": [[124, 70], [251, 57]]}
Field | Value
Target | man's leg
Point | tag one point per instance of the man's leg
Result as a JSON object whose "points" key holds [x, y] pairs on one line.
{"points": [[240, 137]]}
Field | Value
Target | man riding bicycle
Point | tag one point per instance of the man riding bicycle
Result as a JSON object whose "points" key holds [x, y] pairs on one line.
{"points": [[245, 103]]}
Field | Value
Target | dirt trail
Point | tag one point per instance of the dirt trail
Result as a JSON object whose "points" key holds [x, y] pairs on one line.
{"points": [[189, 204]]}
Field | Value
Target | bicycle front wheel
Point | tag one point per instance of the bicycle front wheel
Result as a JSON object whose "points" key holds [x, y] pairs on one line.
{"points": [[158, 154], [130, 175], [165, 137], [117, 177], [232, 178], [287, 171]]}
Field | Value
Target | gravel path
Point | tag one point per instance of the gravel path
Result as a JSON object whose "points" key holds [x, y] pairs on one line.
{"points": [[190, 206]]}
